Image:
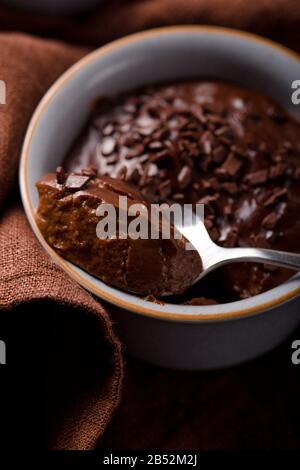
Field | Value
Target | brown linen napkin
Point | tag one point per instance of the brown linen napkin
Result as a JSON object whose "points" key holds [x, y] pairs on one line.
{"points": [[277, 19], [74, 351]]}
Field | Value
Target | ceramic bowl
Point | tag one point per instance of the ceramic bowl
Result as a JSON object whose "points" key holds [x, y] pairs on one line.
{"points": [[177, 336]]}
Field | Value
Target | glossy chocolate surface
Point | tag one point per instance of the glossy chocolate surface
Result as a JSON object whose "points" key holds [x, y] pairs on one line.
{"points": [[233, 149]]}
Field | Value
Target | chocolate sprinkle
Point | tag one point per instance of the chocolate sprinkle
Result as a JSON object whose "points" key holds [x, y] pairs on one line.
{"points": [[270, 221], [184, 177], [76, 181], [258, 177], [108, 146], [60, 175]]}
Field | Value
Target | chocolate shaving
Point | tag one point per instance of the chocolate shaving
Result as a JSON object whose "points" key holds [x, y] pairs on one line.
{"points": [[219, 154], [271, 220], [133, 175], [108, 129], [108, 146], [231, 239], [277, 193], [213, 183], [257, 177], [223, 131], [76, 181], [134, 151], [155, 145], [60, 175], [91, 171], [232, 164], [201, 301], [241, 150], [230, 187], [146, 121], [278, 170], [165, 188], [184, 177], [209, 201], [208, 142], [122, 172], [178, 197]]}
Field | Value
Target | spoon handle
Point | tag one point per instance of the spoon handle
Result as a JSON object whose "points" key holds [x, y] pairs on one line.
{"points": [[261, 255]]}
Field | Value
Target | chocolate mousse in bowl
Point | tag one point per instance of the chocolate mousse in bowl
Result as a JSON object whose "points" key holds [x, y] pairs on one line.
{"points": [[148, 112], [211, 142]]}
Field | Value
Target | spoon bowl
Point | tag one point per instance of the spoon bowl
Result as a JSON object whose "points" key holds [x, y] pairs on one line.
{"points": [[192, 227]]}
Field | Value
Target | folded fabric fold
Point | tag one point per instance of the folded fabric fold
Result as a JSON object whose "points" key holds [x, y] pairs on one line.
{"points": [[82, 362]]}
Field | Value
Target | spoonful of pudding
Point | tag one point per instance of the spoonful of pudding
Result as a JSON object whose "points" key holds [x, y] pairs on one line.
{"points": [[75, 214], [68, 217]]}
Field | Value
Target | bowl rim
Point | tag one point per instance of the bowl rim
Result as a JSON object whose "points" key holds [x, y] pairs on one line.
{"points": [[199, 313]]}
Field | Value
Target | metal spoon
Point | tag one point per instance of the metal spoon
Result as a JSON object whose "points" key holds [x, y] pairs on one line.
{"points": [[214, 256]]}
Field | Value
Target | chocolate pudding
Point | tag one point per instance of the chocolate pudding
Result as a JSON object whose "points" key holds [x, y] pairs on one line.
{"points": [[67, 216], [209, 142]]}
